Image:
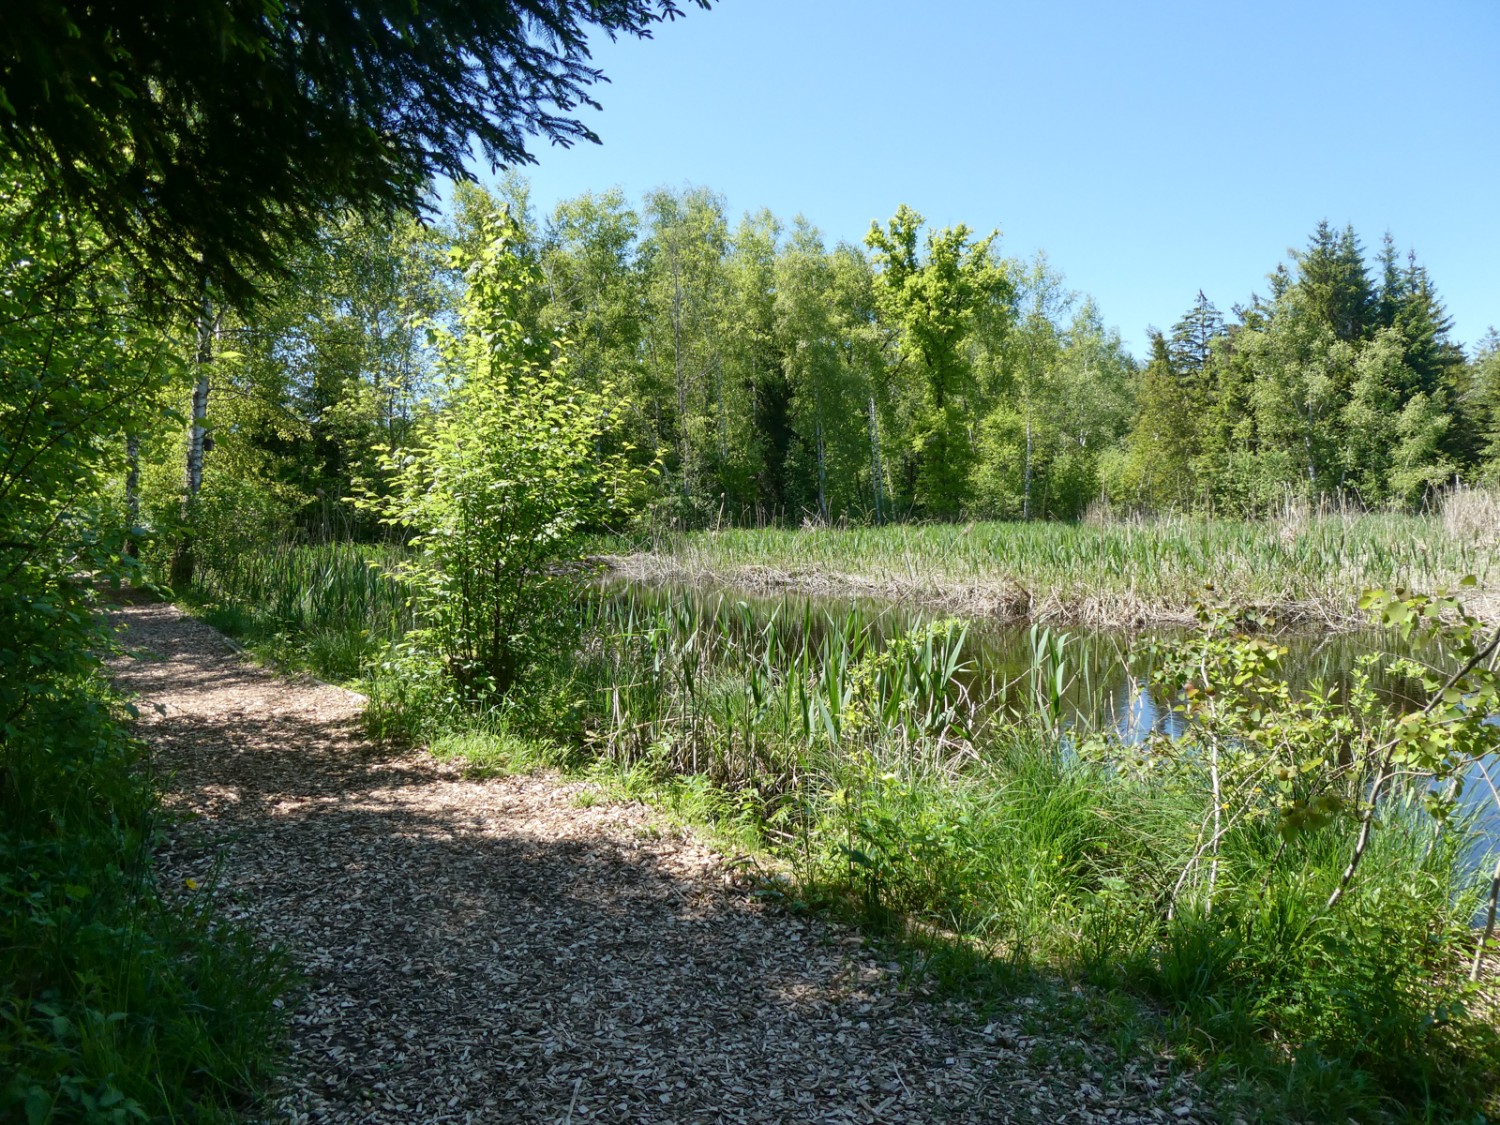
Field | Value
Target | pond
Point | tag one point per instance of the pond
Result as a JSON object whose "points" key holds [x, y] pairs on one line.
{"points": [[1105, 677]]}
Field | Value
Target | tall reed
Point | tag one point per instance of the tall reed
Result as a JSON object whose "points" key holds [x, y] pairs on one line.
{"points": [[332, 606], [1116, 573]]}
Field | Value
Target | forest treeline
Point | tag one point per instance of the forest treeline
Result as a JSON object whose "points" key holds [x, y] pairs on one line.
{"points": [[771, 377]]}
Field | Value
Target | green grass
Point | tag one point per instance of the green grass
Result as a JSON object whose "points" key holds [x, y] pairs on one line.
{"points": [[496, 751], [1304, 565]]}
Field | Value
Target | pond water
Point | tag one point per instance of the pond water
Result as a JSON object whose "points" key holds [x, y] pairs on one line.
{"points": [[1106, 677]]}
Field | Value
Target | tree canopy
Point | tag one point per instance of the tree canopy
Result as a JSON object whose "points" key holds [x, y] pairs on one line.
{"points": [[202, 136]]}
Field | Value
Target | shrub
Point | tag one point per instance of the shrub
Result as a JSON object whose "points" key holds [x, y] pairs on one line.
{"points": [[498, 488]]}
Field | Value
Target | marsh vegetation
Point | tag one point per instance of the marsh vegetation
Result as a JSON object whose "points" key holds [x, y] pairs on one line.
{"points": [[1304, 564], [973, 794]]}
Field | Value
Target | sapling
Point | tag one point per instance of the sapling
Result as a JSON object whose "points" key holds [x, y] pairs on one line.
{"points": [[496, 491]]}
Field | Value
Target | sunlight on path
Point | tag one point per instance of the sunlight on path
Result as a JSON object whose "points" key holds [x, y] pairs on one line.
{"points": [[488, 951]]}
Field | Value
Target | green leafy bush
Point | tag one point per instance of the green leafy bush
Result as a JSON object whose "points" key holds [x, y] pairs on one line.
{"points": [[498, 488], [115, 1003]]}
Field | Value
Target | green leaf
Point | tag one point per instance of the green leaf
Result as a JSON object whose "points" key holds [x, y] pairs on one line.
{"points": [[38, 1106]]}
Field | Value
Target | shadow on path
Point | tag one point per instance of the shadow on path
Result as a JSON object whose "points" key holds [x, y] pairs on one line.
{"points": [[500, 950]]}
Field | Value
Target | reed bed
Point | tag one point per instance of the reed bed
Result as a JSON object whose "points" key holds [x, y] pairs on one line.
{"points": [[330, 606], [721, 690], [1304, 565]]}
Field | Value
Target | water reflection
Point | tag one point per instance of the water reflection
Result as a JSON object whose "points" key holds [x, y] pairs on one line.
{"points": [[1140, 715], [1106, 675]]}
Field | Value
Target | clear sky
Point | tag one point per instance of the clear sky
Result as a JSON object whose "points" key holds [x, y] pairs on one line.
{"points": [[1150, 148]]}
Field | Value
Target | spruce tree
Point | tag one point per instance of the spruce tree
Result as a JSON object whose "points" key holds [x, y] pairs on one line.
{"points": [[1164, 438], [203, 136], [1193, 337], [1334, 282]]}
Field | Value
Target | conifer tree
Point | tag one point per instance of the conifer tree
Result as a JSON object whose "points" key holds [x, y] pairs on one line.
{"points": [[210, 136], [1482, 404], [1164, 437], [1334, 283], [1193, 337]]}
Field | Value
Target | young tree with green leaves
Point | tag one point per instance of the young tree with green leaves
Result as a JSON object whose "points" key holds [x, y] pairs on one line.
{"points": [[805, 337], [830, 352], [1093, 389], [595, 292], [760, 436], [593, 285], [1013, 431], [683, 259], [497, 489]]}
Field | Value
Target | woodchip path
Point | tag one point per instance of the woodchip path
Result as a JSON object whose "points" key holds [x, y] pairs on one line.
{"points": [[501, 951]]}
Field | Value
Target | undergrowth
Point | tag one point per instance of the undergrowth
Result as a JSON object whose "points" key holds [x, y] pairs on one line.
{"points": [[119, 1001]]}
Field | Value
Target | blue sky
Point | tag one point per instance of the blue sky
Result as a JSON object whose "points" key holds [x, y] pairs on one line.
{"points": [[1151, 148]]}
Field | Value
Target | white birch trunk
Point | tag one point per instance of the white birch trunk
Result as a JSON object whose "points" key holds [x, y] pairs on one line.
{"points": [[132, 494]]}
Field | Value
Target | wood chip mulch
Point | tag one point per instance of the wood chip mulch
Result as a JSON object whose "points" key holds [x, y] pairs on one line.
{"points": [[500, 950]]}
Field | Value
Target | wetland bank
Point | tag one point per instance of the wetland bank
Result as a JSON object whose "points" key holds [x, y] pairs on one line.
{"points": [[1304, 565]]}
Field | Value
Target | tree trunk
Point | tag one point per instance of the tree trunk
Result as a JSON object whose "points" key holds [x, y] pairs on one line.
{"points": [[1026, 472], [132, 495], [682, 418], [184, 561], [822, 475], [728, 493], [875, 471]]}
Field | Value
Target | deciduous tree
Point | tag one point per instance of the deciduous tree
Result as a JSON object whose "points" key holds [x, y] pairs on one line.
{"points": [[497, 489], [933, 300]]}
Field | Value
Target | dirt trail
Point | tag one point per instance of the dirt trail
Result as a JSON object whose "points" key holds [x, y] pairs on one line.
{"points": [[491, 951]]}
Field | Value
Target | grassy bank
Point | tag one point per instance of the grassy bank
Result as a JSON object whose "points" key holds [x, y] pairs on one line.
{"points": [[1307, 565], [120, 1000], [1185, 883]]}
